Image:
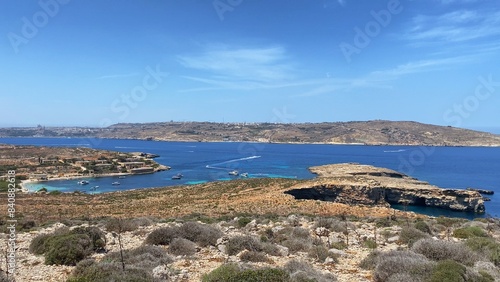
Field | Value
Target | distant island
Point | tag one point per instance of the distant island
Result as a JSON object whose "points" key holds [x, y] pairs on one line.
{"points": [[376, 132]]}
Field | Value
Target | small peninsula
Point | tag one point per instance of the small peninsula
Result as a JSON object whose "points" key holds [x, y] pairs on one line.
{"points": [[35, 163]]}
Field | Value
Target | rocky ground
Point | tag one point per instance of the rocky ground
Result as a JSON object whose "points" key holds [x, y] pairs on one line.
{"points": [[190, 268]]}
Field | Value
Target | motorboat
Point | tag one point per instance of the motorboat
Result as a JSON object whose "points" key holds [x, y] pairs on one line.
{"points": [[244, 174], [83, 182], [234, 173], [115, 183], [177, 176]]}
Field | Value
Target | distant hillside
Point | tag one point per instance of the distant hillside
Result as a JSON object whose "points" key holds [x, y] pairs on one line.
{"points": [[376, 132]]}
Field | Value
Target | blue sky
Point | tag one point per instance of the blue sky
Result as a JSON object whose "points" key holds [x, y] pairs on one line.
{"points": [[99, 62]]}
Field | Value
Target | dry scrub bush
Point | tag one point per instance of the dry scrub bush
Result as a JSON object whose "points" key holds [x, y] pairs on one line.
{"points": [[239, 243], [295, 245], [442, 250], [410, 235], [121, 225], [232, 272], [370, 261], [162, 236], [320, 253], [303, 272], [402, 262], [139, 263], [146, 257], [182, 247], [202, 234], [253, 256], [423, 226]]}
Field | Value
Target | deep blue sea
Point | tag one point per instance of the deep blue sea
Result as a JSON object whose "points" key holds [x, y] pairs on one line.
{"points": [[447, 167]]}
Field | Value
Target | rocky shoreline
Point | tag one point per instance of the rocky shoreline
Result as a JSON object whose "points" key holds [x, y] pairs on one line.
{"points": [[356, 184]]}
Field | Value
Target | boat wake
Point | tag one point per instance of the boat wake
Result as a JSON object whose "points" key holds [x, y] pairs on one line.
{"points": [[395, 151], [219, 165]]}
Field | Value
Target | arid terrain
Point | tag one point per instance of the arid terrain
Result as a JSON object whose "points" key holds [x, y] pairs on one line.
{"points": [[377, 132], [208, 231]]}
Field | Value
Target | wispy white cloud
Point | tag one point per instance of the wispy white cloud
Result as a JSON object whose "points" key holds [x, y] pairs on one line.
{"points": [[452, 27], [446, 2], [418, 67], [383, 79], [119, 75], [264, 64]]}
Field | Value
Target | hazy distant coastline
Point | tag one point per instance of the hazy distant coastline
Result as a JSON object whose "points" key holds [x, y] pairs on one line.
{"points": [[377, 132]]}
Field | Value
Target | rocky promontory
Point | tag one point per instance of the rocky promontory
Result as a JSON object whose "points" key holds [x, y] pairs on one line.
{"points": [[356, 184]]}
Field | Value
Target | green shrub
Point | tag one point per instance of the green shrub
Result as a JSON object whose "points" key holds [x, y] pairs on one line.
{"points": [[422, 226], [37, 245], [338, 245], [182, 247], [233, 273], [55, 192], [370, 244], [487, 247], [239, 243], [162, 236], [468, 232], [444, 250], [448, 271], [449, 221], [399, 262], [410, 235], [224, 273], [67, 249], [96, 236], [243, 221], [254, 256]]}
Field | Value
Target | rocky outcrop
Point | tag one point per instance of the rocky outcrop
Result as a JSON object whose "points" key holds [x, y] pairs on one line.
{"points": [[368, 185]]}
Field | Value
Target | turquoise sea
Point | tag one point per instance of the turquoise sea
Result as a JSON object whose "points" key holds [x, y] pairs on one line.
{"points": [[447, 167]]}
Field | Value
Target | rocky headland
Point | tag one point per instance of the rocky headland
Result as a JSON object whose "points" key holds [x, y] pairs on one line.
{"points": [[356, 184]]}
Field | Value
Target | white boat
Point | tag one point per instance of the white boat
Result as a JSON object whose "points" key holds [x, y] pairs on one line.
{"points": [[115, 183], [83, 182], [244, 174], [177, 176], [234, 173], [121, 176]]}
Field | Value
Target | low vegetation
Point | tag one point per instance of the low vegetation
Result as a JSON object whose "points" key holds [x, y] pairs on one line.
{"points": [[274, 248]]}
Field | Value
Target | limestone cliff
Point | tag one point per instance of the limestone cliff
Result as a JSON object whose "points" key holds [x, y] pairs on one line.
{"points": [[368, 185]]}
